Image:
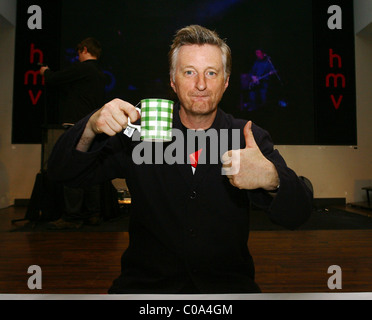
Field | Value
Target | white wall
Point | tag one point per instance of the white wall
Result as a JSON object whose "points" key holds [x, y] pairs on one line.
{"points": [[336, 172], [363, 14], [8, 9], [19, 164]]}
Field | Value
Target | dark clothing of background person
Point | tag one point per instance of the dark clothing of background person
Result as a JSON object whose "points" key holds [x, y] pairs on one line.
{"points": [[258, 92], [261, 68], [81, 89], [188, 233]]}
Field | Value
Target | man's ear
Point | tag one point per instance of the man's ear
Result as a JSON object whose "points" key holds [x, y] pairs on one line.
{"points": [[227, 82], [172, 84]]}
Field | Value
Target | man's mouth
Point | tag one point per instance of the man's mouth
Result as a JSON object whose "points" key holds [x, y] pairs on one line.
{"points": [[200, 97]]}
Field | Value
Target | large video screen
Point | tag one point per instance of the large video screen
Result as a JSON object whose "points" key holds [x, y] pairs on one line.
{"points": [[293, 62]]}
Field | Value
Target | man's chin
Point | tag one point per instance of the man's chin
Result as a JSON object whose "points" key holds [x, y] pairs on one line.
{"points": [[202, 108], [203, 113]]}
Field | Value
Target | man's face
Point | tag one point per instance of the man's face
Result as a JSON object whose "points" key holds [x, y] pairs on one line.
{"points": [[80, 55], [199, 80], [83, 54], [260, 55]]}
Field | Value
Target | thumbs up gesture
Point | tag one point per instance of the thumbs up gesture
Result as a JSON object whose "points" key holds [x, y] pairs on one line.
{"points": [[248, 168]]}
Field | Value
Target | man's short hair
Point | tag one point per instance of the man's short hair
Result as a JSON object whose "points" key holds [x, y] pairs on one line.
{"points": [[195, 34], [93, 46]]}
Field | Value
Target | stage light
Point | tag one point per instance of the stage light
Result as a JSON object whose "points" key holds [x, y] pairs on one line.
{"points": [[283, 103]]}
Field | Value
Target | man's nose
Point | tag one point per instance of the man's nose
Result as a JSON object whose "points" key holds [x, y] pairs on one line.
{"points": [[201, 83]]}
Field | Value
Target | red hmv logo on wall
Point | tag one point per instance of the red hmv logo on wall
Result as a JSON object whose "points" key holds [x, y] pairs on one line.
{"points": [[335, 61], [33, 79]]}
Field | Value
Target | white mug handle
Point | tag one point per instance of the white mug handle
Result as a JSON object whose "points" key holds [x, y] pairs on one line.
{"points": [[132, 127], [138, 127]]}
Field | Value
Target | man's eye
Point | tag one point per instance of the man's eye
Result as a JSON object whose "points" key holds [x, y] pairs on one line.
{"points": [[211, 74], [189, 73]]}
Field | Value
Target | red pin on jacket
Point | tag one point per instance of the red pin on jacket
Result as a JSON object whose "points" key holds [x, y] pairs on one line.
{"points": [[194, 158]]}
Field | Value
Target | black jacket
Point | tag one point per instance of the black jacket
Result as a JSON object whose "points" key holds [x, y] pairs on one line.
{"points": [[184, 226], [81, 89]]}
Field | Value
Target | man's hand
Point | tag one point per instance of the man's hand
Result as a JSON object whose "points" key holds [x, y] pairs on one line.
{"points": [[111, 119], [42, 70], [255, 79], [248, 168]]}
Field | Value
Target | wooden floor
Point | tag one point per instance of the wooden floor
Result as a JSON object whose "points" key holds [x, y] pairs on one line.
{"points": [[87, 263]]}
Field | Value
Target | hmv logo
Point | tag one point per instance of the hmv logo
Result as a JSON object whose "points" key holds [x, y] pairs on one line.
{"points": [[32, 78], [335, 79]]}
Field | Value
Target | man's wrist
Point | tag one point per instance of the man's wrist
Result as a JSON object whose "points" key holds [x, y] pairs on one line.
{"points": [[274, 180], [86, 139]]}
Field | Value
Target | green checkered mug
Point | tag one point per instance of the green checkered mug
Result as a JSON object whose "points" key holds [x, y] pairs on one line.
{"points": [[156, 120]]}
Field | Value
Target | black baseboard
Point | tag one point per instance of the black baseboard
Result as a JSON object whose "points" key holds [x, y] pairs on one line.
{"points": [[320, 203], [361, 205], [21, 202]]}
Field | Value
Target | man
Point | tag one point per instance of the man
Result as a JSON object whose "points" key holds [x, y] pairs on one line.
{"points": [[188, 231], [260, 74], [82, 85], [81, 90]]}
